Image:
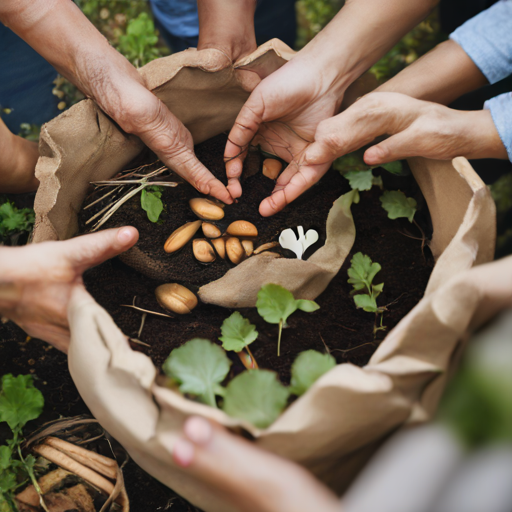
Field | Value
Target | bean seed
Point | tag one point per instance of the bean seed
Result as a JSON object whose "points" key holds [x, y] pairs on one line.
{"points": [[181, 236], [206, 209], [211, 230], [176, 298], [242, 228], [271, 168], [234, 250], [203, 251]]}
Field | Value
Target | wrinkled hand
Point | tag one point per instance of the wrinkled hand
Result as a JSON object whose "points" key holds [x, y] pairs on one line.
{"points": [[282, 115], [36, 281], [416, 128]]}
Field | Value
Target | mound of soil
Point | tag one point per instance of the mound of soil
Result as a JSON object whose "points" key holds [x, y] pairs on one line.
{"points": [[338, 325]]}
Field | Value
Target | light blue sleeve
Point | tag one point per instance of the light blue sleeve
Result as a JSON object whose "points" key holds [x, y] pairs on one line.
{"points": [[501, 112], [487, 39]]}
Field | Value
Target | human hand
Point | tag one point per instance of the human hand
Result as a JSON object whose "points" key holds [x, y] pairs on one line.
{"points": [[58, 30], [282, 115], [18, 162], [239, 470], [36, 281], [416, 128]]}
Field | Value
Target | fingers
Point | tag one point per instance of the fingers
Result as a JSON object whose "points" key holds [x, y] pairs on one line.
{"points": [[293, 182], [397, 147], [88, 251], [245, 128]]}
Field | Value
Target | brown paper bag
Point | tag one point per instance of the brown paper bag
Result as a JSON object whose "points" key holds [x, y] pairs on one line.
{"points": [[335, 426]]}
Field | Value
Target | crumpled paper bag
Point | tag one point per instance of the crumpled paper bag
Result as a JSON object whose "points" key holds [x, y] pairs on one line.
{"points": [[339, 422]]}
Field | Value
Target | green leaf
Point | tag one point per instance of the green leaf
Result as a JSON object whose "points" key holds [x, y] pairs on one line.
{"points": [[366, 302], [151, 203], [237, 332], [7, 482], [307, 305], [256, 396], [360, 180], [398, 205], [13, 220], [351, 162], [5, 457], [362, 271], [394, 167], [199, 366], [275, 303], [308, 368], [20, 401]]}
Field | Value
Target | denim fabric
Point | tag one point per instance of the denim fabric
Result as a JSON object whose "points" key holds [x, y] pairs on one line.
{"points": [[487, 39], [178, 22], [25, 83]]}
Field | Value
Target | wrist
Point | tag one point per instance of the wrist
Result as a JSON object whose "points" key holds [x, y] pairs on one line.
{"points": [[485, 139]]}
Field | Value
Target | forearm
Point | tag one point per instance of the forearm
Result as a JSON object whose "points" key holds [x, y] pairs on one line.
{"points": [[442, 75], [360, 34], [227, 25], [59, 32]]}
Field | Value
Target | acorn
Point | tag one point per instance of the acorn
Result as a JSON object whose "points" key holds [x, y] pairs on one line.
{"points": [[234, 250], [220, 247], [176, 298], [206, 209], [211, 230], [203, 251], [242, 228]]}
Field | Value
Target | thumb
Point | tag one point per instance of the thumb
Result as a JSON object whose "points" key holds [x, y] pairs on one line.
{"points": [[396, 147], [88, 251]]}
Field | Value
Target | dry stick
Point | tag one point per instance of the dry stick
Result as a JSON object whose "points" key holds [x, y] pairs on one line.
{"points": [[143, 321], [353, 348], [103, 210], [135, 340], [325, 345], [102, 197]]}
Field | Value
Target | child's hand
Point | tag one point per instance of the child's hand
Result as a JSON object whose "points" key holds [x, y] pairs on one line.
{"points": [[18, 163]]}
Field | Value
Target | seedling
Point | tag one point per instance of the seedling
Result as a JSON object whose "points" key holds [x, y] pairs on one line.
{"points": [[20, 402], [355, 162], [361, 275], [275, 304], [289, 240], [14, 222], [309, 366], [398, 205], [237, 334], [199, 367], [151, 202], [363, 180]]}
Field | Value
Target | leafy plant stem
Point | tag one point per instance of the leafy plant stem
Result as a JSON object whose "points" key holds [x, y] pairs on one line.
{"points": [[279, 338], [30, 471], [254, 364]]}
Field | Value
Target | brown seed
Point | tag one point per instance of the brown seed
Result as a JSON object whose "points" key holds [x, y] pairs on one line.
{"points": [[271, 168], [206, 209], [181, 236], [248, 247], [220, 247], [203, 251], [211, 230], [176, 298], [234, 250], [242, 228], [265, 247]]}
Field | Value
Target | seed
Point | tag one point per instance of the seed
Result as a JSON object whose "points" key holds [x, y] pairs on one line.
{"points": [[248, 247], [220, 247], [176, 298], [206, 209], [271, 168], [203, 251], [242, 228], [234, 250], [181, 236], [265, 247], [211, 230]]}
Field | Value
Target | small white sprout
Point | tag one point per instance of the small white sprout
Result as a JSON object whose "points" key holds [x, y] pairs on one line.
{"points": [[289, 240]]}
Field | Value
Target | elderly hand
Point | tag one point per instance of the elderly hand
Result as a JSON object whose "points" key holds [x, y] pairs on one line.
{"points": [[57, 30], [416, 128], [36, 281]]}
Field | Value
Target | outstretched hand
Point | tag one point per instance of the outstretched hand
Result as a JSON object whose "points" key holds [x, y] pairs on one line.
{"points": [[282, 115], [36, 281], [415, 128]]}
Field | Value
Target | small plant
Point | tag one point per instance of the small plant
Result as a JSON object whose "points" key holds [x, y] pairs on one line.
{"points": [[309, 366], [363, 180], [361, 275], [355, 162], [398, 205], [14, 222], [139, 44], [237, 334], [151, 202], [275, 304], [199, 367], [20, 402]]}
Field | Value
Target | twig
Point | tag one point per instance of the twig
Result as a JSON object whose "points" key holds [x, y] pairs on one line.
{"points": [[142, 322], [135, 340], [353, 348], [325, 345]]}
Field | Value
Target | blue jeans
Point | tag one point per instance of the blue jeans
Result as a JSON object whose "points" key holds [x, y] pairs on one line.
{"points": [[25, 83]]}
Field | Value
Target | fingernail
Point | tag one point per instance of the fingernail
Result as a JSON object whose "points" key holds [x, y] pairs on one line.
{"points": [[372, 156], [125, 235], [198, 430], [312, 155], [183, 453]]}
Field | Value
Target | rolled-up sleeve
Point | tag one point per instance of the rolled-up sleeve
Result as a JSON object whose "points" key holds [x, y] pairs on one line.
{"points": [[487, 39], [501, 112]]}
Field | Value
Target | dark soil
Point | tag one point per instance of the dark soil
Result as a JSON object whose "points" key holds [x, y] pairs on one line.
{"points": [[346, 331]]}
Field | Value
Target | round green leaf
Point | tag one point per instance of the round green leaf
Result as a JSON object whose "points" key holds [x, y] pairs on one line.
{"points": [[307, 368]]}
